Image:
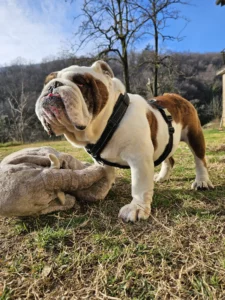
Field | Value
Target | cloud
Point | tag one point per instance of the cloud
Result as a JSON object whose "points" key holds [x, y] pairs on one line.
{"points": [[33, 29]]}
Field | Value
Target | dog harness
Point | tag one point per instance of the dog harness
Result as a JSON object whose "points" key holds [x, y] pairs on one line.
{"points": [[168, 119], [119, 111]]}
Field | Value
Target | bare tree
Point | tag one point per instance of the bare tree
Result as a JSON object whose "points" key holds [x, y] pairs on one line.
{"points": [[19, 110], [18, 101], [114, 25], [220, 2], [159, 12]]}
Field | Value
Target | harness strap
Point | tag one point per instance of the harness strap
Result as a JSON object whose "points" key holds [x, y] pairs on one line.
{"points": [[119, 111], [168, 119]]}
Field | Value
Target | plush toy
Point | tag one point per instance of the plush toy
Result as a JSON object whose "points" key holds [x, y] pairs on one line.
{"points": [[37, 181]]}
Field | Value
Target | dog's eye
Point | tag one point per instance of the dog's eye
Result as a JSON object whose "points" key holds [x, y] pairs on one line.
{"points": [[79, 80]]}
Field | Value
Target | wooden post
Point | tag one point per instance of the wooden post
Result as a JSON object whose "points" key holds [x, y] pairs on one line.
{"points": [[223, 114], [222, 72]]}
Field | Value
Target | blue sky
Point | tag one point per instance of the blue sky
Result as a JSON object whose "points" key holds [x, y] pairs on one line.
{"points": [[206, 30], [41, 29]]}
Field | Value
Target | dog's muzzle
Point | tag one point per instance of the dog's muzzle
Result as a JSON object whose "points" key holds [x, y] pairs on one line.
{"points": [[53, 104], [52, 107], [53, 110]]}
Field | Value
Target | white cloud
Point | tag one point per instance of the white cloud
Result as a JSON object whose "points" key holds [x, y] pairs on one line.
{"points": [[33, 29]]}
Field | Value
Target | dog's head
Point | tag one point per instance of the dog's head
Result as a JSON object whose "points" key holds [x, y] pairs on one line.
{"points": [[73, 98]]}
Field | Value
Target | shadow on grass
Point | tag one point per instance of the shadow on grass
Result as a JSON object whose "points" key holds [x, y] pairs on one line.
{"points": [[103, 215]]}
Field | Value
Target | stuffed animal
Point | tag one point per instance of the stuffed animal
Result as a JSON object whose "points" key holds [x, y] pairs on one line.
{"points": [[41, 180]]}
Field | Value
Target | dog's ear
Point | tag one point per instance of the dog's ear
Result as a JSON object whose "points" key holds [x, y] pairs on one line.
{"points": [[101, 66], [50, 77]]}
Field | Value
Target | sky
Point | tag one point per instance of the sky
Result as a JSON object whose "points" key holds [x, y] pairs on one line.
{"points": [[41, 29]]}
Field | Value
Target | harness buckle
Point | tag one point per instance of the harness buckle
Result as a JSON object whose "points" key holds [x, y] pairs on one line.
{"points": [[169, 118]]}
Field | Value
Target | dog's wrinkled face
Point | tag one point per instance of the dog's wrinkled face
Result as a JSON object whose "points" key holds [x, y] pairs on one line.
{"points": [[72, 98]]}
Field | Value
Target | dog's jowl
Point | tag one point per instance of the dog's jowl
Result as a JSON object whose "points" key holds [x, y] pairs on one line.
{"points": [[90, 107]]}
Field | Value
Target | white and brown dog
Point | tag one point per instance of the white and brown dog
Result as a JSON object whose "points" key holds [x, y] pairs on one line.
{"points": [[78, 102]]}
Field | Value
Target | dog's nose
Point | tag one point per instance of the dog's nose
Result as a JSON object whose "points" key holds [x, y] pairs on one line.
{"points": [[80, 127], [53, 100], [53, 88]]}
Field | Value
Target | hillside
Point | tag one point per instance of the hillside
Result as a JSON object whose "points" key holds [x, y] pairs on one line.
{"points": [[193, 75]]}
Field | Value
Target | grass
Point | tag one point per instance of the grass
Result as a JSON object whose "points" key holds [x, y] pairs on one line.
{"points": [[87, 253]]}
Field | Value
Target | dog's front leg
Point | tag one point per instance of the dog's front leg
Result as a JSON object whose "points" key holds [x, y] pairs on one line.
{"points": [[142, 173]]}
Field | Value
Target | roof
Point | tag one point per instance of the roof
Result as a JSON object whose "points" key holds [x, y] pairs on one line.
{"points": [[221, 72]]}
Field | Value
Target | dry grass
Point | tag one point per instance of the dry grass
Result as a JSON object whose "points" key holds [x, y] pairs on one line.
{"points": [[87, 253]]}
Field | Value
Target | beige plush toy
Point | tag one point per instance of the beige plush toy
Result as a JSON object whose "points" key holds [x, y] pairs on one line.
{"points": [[42, 180]]}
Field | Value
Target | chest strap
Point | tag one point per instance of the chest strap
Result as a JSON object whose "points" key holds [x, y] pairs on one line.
{"points": [[118, 112]]}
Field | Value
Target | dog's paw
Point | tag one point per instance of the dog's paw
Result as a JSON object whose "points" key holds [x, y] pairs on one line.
{"points": [[159, 178], [133, 212], [202, 185]]}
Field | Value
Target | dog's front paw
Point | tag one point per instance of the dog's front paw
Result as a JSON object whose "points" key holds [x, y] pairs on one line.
{"points": [[202, 185], [133, 212]]}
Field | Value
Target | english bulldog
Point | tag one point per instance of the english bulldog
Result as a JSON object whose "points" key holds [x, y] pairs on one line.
{"points": [[78, 101]]}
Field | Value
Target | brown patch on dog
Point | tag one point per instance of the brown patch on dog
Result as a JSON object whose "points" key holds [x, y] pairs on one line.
{"points": [[172, 161], [93, 90], [183, 112], [50, 77], [154, 128], [197, 141]]}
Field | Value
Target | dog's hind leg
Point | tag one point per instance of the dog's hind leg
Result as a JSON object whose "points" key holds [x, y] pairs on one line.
{"points": [[196, 142], [165, 171]]}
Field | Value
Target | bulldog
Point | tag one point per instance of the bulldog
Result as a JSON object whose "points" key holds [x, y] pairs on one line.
{"points": [[79, 102]]}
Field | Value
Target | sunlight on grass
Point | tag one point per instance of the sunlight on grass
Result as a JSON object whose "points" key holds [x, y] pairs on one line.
{"points": [[178, 253]]}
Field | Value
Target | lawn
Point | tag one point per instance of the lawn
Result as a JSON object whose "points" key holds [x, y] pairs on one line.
{"points": [[87, 253]]}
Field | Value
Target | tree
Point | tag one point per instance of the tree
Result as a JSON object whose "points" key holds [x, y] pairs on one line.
{"points": [[220, 2], [115, 25], [158, 13], [18, 112]]}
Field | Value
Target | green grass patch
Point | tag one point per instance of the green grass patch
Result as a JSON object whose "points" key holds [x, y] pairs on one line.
{"points": [[49, 237], [86, 252]]}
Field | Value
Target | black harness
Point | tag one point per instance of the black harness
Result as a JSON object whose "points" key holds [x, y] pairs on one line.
{"points": [[119, 111], [168, 119]]}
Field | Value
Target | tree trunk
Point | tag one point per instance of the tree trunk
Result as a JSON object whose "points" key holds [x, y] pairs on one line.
{"points": [[126, 74], [125, 65], [156, 71], [156, 65]]}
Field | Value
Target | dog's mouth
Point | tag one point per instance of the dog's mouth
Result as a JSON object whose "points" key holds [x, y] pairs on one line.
{"points": [[48, 128], [52, 109]]}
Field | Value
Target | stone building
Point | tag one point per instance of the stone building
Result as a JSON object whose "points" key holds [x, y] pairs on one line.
{"points": [[222, 72]]}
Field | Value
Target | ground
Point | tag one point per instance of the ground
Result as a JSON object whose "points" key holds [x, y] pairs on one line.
{"points": [[87, 253]]}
